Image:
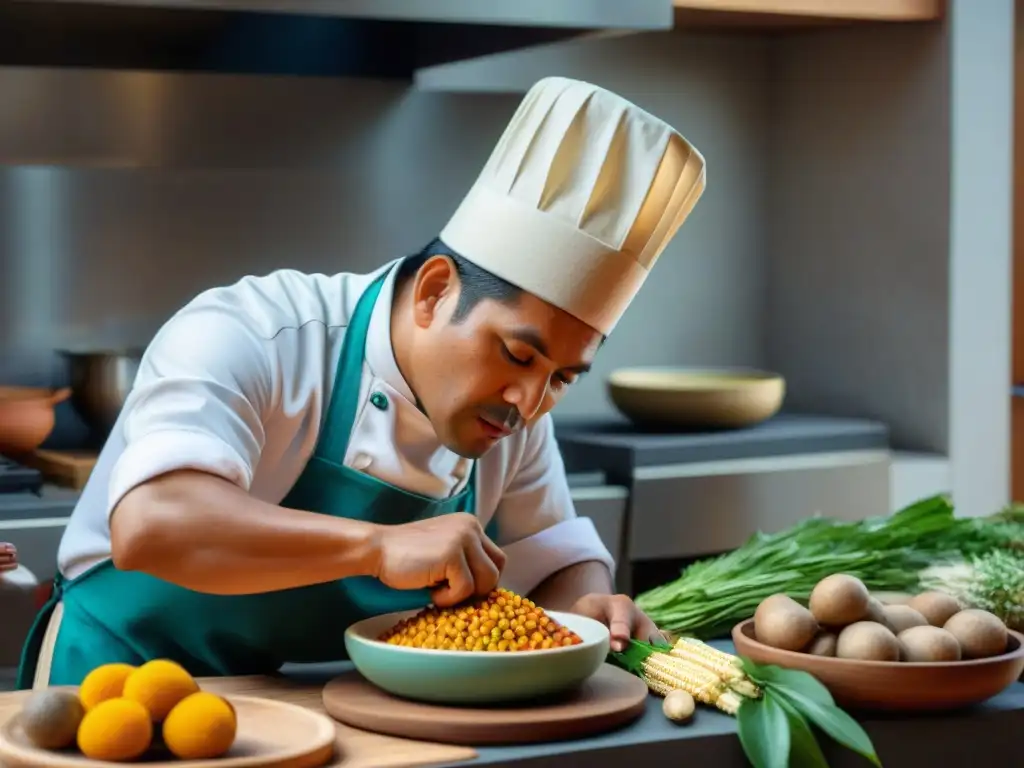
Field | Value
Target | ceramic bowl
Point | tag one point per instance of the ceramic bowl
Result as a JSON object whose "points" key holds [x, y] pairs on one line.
{"points": [[692, 398], [460, 677], [895, 685]]}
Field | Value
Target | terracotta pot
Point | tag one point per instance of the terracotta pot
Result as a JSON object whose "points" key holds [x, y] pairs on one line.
{"points": [[26, 417]]}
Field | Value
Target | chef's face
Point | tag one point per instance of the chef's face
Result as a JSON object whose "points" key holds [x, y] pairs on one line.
{"points": [[495, 370]]}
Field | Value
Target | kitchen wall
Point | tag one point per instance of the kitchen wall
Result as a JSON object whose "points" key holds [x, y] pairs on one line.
{"points": [[858, 278], [124, 194]]}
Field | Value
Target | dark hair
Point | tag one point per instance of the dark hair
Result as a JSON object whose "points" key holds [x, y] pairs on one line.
{"points": [[477, 284]]}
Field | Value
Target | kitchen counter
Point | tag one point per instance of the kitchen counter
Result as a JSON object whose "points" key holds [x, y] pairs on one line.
{"points": [[990, 731]]}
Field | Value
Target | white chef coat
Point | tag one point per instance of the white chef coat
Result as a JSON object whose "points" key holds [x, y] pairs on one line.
{"points": [[237, 384]]}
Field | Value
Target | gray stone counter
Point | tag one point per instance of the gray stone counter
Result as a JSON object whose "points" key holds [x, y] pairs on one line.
{"points": [[988, 734]]}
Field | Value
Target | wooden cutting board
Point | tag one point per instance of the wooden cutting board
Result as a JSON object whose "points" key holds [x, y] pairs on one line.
{"points": [[353, 748], [609, 699], [67, 468]]}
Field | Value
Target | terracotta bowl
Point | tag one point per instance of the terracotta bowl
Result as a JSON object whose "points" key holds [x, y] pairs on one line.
{"points": [[694, 398], [895, 685], [26, 417]]}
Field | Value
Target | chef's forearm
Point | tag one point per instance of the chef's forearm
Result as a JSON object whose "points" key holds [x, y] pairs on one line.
{"points": [[562, 589], [204, 533]]}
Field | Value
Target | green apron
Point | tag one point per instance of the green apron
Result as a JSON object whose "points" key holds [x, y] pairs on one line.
{"points": [[126, 616]]}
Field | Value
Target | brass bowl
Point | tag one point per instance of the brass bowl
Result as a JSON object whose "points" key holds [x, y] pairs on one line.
{"points": [[690, 398], [895, 686]]}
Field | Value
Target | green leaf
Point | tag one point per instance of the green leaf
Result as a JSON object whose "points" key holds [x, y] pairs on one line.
{"points": [[833, 721], [789, 679], [804, 750], [764, 732], [632, 658]]}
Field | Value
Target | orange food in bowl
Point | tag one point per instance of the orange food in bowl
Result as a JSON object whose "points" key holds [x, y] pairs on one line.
{"points": [[503, 621]]}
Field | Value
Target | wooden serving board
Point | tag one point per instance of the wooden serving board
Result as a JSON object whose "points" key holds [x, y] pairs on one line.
{"points": [[271, 734], [610, 699], [352, 748]]}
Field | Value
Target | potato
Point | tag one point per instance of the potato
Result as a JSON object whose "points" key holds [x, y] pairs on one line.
{"points": [[678, 706], [867, 641], [781, 622], [928, 643], [936, 607], [838, 600], [981, 634], [823, 645], [902, 617]]}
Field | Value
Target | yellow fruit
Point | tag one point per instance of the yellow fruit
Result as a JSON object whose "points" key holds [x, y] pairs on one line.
{"points": [[201, 727], [50, 718], [115, 730], [158, 685], [104, 682]]}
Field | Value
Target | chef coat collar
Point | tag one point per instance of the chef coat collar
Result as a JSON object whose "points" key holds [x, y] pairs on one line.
{"points": [[380, 355]]}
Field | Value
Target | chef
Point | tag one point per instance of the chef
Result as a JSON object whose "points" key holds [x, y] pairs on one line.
{"points": [[302, 451]]}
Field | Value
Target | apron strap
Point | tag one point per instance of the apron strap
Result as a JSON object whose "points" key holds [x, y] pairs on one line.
{"points": [[341, 411], [41, 679]]}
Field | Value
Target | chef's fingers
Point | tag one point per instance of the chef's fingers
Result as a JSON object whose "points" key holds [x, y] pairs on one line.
{"points": [[646, 629], [459, 580], [485, 570], [494, 552], [620, 622]]}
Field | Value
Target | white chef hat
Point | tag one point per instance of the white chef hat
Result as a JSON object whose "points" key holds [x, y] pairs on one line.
{"points": [[578, 199]]}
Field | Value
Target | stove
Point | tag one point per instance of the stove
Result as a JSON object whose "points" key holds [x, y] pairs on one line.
{"points": [[16, 478]]}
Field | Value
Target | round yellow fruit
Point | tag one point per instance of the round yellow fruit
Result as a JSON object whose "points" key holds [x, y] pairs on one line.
{"points": [[104, 682], [200, 727], [115, 730], [158, 685]]}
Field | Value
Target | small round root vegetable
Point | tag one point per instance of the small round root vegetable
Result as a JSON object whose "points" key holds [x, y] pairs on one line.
{"points": [[981, 634], [867, 641], [678, 706], [781, 622], [839, 600], [936, 607]]}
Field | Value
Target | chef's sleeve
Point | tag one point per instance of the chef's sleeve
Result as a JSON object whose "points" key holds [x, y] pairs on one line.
{"points": [[198, 402], [538, 528]]}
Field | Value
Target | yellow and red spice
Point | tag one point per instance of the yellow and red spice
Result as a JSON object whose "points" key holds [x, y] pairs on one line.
{"points": [[503, 621]]}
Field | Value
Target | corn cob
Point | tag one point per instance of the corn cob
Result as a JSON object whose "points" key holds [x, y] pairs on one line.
{"points": [[665, 673], [726, 666]]}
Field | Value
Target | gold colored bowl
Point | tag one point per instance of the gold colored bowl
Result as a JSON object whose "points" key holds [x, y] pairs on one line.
{"points": [[696, 398]]}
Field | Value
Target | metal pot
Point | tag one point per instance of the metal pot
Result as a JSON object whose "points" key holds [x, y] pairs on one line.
{"points": [[100, 383]]}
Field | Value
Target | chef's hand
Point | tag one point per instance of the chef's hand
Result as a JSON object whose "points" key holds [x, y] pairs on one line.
{"points": [[449, 554], [8, 557], [623, 619]]}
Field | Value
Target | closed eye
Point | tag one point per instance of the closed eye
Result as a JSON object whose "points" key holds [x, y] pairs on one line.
{"points": [[513, 359]]}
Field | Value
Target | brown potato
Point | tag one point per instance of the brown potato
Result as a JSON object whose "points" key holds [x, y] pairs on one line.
{"points": [[981, 634], [867, 641], [928, 643], [781, 622], [936, 607], [838, 600]]}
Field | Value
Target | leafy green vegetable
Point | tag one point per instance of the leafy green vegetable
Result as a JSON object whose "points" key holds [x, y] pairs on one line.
{"points": [[804, 750], [805, 701], [764, 732], [833, 721], [771, 676], [886, 553]]}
